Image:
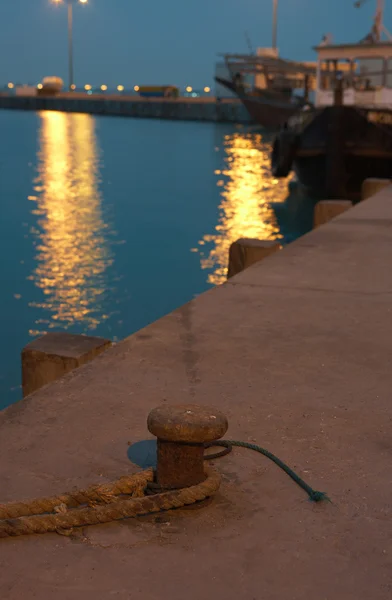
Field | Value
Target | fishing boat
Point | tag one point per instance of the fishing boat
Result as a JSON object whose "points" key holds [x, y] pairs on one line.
{"points": [[279, 88], [272, 99], [347, 136]]}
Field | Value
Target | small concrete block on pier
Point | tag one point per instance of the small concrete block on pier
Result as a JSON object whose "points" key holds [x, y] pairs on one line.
{"points": [[53, 355], [325, 210], [247, 251], [373, 185]]}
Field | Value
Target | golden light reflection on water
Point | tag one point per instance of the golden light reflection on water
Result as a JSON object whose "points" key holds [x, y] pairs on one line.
{"points": [[71, 241], [247, 191]]}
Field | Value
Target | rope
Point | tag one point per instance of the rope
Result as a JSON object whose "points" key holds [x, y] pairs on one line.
{"points": [[119, 508], [133, 485], [314, 495], [129, 496]]}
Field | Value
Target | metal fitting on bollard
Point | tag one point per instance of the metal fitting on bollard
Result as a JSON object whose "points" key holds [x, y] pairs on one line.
{"points": [[182, 431]]}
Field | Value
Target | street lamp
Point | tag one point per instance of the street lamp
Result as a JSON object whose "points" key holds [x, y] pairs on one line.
{"points": [[70, 4], [274, 24]]}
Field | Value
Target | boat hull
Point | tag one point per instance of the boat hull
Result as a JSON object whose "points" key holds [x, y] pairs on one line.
{"points": [[312, 174], [270, 115], [268, 108], [339, 147]]}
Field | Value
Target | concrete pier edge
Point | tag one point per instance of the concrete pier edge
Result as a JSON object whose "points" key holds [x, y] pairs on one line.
{"points": [[183, 109], [295, 350]]}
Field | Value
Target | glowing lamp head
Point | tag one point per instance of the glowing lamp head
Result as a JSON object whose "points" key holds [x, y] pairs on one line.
{"points": [[87, 87], [189, 89], [120, 88], [207, 89], [11, 86], [104, 88], [40, 86], [136, 88]]}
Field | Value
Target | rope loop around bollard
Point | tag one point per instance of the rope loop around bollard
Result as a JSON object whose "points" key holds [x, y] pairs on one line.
{"points": [[129, 496], [62, 518], [226, 450]]}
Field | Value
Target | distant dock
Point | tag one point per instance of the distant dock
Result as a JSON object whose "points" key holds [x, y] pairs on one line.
{"points": [[177, 109]]}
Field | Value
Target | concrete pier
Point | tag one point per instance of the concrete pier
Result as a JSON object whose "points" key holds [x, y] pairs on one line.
{"points": [[296, 352], [186, 109]]}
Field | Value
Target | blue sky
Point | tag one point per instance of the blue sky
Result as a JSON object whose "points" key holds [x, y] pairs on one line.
{"points": [[162, 41]]}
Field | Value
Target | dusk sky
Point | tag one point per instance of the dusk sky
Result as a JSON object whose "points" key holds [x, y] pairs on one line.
{"points": [[162, 41]]}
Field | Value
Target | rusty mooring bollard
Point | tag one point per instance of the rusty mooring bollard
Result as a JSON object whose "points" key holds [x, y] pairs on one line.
{"points": [[182, 431]]}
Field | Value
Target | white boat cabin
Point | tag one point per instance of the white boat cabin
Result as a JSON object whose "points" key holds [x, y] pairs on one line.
{"points": [[365, 71]]}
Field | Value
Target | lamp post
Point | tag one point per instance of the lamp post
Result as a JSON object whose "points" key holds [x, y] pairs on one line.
{"points": [[275, 24], [70, 4]]}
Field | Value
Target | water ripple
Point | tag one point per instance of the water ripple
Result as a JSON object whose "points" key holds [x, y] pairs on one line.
{"points": [[247, 190], [71, 237]]}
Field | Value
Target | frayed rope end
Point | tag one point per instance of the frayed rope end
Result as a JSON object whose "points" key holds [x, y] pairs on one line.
{"points": [[319, 497]]}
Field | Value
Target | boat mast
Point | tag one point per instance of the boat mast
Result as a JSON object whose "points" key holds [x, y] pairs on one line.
{"points": [[378, 20], [378, 26], [274, 24]]}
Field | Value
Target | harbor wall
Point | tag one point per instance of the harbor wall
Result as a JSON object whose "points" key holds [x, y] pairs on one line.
{"points": [[186, 109], [295, 350]]}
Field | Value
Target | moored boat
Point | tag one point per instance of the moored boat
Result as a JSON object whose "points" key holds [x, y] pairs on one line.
{"points": [[347, 137], [272, 98]]}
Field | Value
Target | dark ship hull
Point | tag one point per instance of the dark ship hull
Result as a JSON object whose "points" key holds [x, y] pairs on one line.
{"points": [[267, 108], [333, 150]]}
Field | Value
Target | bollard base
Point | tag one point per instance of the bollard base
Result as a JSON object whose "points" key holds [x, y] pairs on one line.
{"points": [[179, 465]]}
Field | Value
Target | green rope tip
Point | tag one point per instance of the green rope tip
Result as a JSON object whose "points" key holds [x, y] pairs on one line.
{"points": [[319, 497], [314, 496]]}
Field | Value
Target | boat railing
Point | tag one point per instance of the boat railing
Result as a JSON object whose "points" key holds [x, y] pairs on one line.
{"points": [[353, 97]]}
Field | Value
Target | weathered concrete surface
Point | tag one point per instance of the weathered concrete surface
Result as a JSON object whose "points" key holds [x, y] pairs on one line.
{"points": [[296, 350], [54, 354]]}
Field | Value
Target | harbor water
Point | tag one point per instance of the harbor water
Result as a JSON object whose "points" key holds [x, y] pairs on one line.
{"points": [[108, 223]]}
